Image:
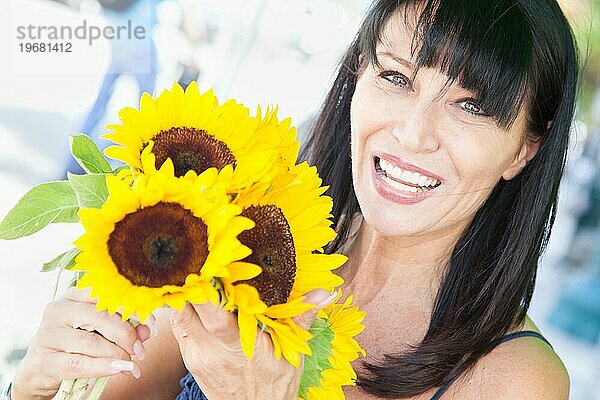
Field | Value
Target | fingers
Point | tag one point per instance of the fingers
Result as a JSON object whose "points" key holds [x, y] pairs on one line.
{"points": [[192, 338], [205, 326], [219, 323], [320, 298], [186, 322], [148, 330], [72, 366], [144, 331], [112, 327], [74, 340], [77, 341], [41, 371], [82, 295], [83, 315]]}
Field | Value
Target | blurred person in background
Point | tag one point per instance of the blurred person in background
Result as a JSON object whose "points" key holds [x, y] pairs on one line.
{"points": [[130, 56]]}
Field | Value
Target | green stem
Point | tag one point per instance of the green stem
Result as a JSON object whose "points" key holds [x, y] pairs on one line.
{"points": [[262, 326], [65, 390], [81, 386], [98, 388]]}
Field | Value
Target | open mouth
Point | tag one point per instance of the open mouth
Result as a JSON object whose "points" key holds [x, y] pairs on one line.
{"points": [[404, 180]]}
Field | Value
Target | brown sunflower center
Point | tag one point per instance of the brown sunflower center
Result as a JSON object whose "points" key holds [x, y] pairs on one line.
{"points": [[159, 245], [273, 250], [191, 149]]}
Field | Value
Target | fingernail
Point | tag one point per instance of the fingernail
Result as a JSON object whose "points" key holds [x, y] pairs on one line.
{"points": [[136, 372], [151, 323], [173, 316], [138, 350], [151, 320], [122, 365], [153, 330], [328, 300]]}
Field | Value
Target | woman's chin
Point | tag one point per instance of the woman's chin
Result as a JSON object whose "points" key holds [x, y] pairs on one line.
{"points": [[393, 225]]}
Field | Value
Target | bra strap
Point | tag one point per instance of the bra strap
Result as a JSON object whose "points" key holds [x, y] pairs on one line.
{"points": [[519, 334]]}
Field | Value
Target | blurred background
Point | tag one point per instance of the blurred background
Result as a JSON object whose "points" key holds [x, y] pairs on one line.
{"points": [[260, 52]]}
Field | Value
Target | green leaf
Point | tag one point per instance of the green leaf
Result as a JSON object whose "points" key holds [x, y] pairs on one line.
{"points": [[46, 203], [90, 189], [88, 155], [64, 261], [320, 345]]}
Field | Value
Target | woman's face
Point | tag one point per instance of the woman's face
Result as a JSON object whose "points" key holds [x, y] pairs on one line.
{"points": [[425, 159]]}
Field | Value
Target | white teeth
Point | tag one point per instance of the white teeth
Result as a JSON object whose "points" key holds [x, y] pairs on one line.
{"points": [[415, 178], [406, 176], [400, 186], [384, 165]]}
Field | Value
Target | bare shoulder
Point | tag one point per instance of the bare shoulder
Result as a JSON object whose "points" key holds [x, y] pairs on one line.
{"points": [[521, 368]]}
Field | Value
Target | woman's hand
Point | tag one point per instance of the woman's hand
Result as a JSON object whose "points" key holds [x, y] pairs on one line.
{"points": [[209, 341], [74, 341]]}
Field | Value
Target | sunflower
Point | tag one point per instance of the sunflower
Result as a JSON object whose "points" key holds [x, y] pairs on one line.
{"points": [[292, 226], [197, 133], [270, 129], [159, 239], [329, 368]]}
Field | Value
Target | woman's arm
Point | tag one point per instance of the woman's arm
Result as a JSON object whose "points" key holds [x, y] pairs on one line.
{"points": [[162, 368]]}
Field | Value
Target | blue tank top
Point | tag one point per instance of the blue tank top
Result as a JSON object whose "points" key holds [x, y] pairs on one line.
{"points": [[191, 391]]}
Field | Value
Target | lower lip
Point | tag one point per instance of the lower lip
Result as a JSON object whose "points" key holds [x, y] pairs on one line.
{"points": [[395, 195]]}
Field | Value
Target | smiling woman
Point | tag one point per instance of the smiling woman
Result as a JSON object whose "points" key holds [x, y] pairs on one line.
{"points": [[452, 120], [443, 141]]}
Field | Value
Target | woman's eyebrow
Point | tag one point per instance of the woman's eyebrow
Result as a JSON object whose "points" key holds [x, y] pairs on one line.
{"points": [[396, 58]]}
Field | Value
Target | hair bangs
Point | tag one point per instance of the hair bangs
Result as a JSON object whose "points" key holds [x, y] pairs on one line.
{"points": [[485, 49]]}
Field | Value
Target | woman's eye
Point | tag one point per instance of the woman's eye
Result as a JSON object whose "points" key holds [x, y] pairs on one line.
{"points": [[395, 78], [472, 107]]}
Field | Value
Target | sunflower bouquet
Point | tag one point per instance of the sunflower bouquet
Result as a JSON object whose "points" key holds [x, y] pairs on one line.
{"points": [[209, 206]]}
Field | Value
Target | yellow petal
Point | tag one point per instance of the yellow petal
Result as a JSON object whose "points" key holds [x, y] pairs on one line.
{"points": [[247, 324], [239, 271]]}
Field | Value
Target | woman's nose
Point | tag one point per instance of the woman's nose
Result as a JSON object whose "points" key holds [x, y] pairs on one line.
{"points": [[417, 129]]}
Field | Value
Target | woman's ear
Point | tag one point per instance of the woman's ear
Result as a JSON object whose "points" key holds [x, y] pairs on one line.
{"points": [[528, 150]]}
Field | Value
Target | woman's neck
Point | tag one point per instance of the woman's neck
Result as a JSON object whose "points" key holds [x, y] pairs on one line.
{"points": [[410, 268]]}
